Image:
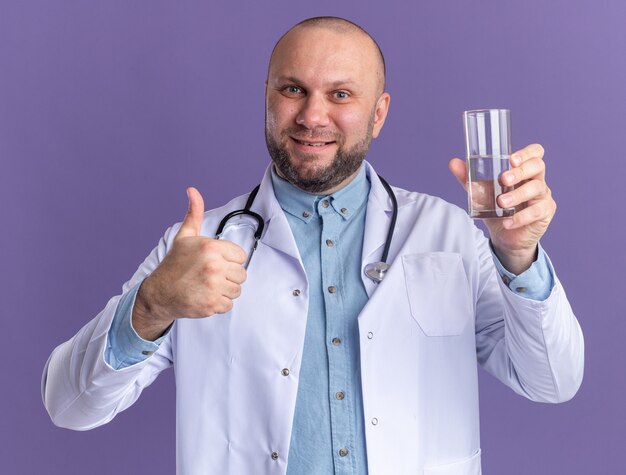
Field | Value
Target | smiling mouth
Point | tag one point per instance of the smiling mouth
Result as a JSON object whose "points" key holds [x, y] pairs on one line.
{"points": [[311, 144]]}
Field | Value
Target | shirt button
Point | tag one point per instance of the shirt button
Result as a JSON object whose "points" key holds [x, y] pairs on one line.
{"points": [[147, 353], [306, 214], [339, 395], [506, 280], [274, 455], [343, 452], [344, 210], [325, 203], [285, 372], [370, 335], [329, 243], [374, 421], [296, 292], [332, 289], [521, 289], [336, 341]]}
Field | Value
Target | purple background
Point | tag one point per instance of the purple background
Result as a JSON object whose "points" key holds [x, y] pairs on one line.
{"points": [[109, 110]]}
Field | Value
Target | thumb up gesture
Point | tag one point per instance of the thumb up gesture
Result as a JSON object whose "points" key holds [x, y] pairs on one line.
{"points": [[198, 277]]}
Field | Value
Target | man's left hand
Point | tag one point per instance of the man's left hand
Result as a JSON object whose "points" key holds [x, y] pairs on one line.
{"points": [[515, 238]]}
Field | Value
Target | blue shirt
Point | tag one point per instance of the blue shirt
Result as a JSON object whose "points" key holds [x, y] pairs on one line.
{"points": [[328, 434]]}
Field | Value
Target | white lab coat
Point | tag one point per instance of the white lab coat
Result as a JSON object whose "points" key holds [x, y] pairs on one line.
{"points": [[440, 309]]}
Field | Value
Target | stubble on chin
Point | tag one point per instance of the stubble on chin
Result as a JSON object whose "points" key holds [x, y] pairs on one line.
{"points": [[317, 179]]}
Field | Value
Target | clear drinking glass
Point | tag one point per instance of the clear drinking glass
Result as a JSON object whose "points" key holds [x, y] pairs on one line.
{"points": [[488, 153]]}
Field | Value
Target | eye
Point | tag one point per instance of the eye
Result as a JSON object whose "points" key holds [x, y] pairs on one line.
{"points": [[341, 95], [292, 90]]}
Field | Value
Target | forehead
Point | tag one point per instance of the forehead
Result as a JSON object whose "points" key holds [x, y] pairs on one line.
{"points": [[325, 55]]}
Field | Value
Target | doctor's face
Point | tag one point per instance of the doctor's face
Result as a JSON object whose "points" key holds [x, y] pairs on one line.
{"points": [[324, 104]]}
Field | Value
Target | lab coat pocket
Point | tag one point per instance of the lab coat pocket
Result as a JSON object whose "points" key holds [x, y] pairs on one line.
{"points": [[438, 292], [470, 466]]}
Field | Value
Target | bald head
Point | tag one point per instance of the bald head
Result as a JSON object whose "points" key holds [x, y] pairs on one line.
{"points": [[344, 28]]}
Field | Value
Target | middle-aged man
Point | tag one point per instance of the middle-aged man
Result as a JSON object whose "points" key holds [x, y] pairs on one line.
{"points": [[309, 366]]}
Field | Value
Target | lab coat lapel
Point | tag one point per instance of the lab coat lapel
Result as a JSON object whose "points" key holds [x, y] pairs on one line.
{"points": [[277, 233], [377, 221]]}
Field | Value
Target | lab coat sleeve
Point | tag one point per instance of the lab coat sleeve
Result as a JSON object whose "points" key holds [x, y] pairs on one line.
{"points": [[535, 347], [80, 390]]}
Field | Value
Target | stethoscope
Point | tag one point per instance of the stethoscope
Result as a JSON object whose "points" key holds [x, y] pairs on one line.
{"points": [[375, 270]]}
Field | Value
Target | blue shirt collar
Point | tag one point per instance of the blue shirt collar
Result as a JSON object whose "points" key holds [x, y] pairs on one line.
{"points": [[303, 205]]}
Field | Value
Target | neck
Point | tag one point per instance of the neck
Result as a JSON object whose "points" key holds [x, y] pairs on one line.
{"points": [[328, 191]]}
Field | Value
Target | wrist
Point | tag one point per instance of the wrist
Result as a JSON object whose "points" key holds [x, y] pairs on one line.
{"points": [[146, 320], [515, 261]]}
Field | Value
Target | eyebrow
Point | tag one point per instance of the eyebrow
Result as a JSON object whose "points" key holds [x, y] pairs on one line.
{"points": [[294, 79]]}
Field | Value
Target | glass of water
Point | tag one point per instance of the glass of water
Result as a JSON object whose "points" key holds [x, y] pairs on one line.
{"points": [[488, 153]]}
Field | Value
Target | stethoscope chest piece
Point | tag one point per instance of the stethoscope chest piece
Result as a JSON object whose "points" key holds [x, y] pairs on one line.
{"points": [[376, 271]]}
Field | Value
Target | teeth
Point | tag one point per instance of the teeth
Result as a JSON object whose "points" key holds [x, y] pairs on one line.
{"points": [[316, 144]]}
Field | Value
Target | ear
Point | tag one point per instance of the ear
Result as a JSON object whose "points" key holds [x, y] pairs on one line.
{"points": [[380, 113]]}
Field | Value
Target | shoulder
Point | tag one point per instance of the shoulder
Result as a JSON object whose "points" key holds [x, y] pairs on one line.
{"points": [[430, 207], [428, 224]]}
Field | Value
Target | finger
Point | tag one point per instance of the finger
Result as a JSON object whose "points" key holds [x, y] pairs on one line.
{"points": [[530, 169], [223, 305], [236, 273], [231, 290], [459, 170], [534, 150], [192, 223], [232, 252], [540, 211], [531, 190]]}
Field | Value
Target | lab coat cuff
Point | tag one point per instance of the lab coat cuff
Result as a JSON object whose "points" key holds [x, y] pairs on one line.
{"points": [[535, 283], [124, 346]]}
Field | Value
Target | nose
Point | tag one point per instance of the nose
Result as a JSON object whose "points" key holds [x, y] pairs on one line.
{"points": [[313, 113]]}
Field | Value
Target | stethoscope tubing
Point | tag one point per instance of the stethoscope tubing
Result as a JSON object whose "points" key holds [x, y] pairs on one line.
{"points": [[394, 217], [246, 210], [261, 225]]}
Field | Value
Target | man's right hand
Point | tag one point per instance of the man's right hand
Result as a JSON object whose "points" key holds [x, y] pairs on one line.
{"points": [[198, 277]]}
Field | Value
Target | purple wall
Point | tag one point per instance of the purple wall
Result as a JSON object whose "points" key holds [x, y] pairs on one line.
{"points": [[109, 110]]}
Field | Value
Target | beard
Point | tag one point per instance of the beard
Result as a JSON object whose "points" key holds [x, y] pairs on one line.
{"points": [[317, 179]]}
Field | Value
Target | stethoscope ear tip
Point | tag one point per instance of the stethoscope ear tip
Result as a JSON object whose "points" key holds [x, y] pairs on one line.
{"points": [[376, 271]]}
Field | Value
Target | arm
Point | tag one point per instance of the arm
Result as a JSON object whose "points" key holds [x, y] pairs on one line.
{"points": [[80, 390], [536, 347], [185, 276]]}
